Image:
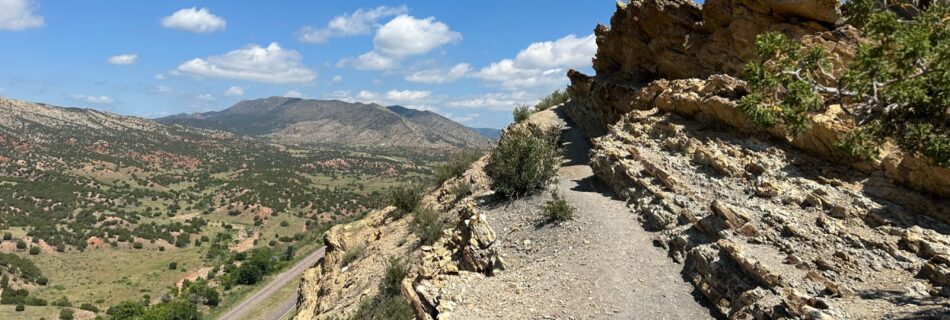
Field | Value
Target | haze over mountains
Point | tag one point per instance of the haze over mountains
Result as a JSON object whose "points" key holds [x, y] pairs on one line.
{"points": [[302, 121]]}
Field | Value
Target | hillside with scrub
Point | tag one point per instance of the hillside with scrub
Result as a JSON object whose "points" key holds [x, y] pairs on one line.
{"points": [[731, 159]]}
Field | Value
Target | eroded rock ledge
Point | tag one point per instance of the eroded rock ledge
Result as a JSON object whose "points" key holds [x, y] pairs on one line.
{"points": [[767, 225]]}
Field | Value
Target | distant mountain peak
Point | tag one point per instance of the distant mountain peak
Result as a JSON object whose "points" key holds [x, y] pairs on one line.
{"points": [[309, 121]]}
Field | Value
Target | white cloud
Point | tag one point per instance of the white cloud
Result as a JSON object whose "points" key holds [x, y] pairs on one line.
{"points": [[160, 76], [542, 64], [359, 22], [494, 101], [435, 76], [234, 91], [124, 59], [94, 99], [194, 20], [163, 89], [272, 64], [569, 51], [296, 94], [464, 118], [407, 98], [407, 95], [206, 97], [16, 15], [337, 79], [402, 37]]}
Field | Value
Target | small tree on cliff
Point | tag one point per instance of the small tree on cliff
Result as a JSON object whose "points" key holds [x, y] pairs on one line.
{"points": [[897, 86]]}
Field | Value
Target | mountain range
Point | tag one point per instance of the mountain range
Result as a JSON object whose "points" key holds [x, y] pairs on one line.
{"points": [[305, 121]]}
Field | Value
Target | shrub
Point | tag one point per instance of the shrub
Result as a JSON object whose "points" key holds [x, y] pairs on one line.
{"points": [[555, 98], [456, 165], [405, 198], [20, 244], [34, 250], [523, 161], [20, 307], [897, 85], [353, 254], [137, 245], [66, 314], [172, 265], [428, 225], [389, 304], [127, 310], [7, 236], [521, 113], [89, 307], [461, 189], [62, 302], [557, 209], [42, 281]]}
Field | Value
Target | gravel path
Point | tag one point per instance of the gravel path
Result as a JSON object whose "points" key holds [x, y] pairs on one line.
{"points": [[602, 265]]}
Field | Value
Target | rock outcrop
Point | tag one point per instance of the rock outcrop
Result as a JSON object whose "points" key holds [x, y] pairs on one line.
{"points": [[335, 288], [767, 224]]}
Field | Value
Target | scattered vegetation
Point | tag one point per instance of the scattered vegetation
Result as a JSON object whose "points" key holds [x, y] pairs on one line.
{"points": [[406, 199], [897, 85], [461, 189], [521, 113], [353, 254], [523, 161], [557, 209], [456, 166], [555, 98], [389, 304], [428, 225]]}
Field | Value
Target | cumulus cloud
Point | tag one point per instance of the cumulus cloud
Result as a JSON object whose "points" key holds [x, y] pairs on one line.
{"points": [[194, 20], [436, 76], [407, 95], [163, 89], [296, 94], [416, 99], [569, 51], [234, 91], [359, 22], [402, 37], [272, 64], [499, 101], [16, 15], [93, 99], [337, 79], [542, 64], [124, 59], [206, 97]]}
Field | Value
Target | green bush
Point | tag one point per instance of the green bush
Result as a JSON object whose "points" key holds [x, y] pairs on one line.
{"points": [[521, 113], [172, 265], [389, 304], [557, 209], [20, 307], [353, 254], [405, 198], [456, 166], [7, 236], [461, 189], [523, 161], [428, 225], [555, 98], [66, 314], [89, 307], [34, 250], [897, 85]]}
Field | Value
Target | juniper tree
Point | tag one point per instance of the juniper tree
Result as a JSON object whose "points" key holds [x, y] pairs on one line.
{"points": [[897, 85]]}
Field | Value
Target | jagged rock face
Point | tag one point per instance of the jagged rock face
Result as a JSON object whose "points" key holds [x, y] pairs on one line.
{"points": [[676, 39], [334, 290], [766, 231]]}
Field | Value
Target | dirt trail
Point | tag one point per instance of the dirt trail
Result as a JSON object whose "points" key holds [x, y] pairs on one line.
{"points": [[600, 265]]}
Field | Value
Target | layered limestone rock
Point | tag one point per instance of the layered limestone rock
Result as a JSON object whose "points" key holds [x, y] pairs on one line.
{"points": [[766, 231], [335, 288], [678, 57], [767, 224]]}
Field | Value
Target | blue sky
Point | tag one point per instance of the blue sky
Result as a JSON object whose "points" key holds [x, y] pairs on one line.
{"points": [[472, 61]]}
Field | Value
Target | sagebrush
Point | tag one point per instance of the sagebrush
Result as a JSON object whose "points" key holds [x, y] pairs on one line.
{"points": [[524, 160]]}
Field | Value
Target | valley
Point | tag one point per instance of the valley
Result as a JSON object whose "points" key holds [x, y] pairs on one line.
{"points": [[105, 209]]}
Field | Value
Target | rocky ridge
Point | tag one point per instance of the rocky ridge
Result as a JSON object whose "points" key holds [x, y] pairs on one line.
{"points": [[767, 225]]}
